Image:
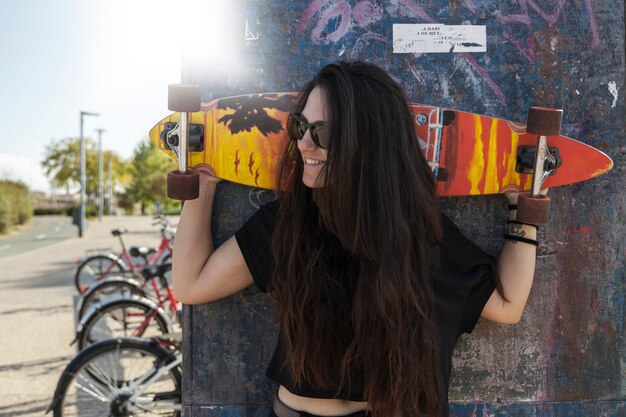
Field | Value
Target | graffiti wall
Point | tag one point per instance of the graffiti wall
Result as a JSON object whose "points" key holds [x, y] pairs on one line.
{"points": [[567, 357]]}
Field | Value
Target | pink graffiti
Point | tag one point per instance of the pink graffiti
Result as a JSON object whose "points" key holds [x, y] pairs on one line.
{"points": [[309, 12], [528, 48], [417, 10], [341, 9], [551, 19], [470, 5], [491, 83], [524, 17], [486, 412], [518, 18], [366, 13], [595, 37], [362, 41]]}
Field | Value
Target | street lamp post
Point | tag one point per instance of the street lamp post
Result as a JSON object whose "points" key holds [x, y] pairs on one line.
{"points": [[100, 176], [83, 173], [110, 186]]}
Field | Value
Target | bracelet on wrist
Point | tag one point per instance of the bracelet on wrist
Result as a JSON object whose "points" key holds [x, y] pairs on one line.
{"points": [[515, 239], [522, 223], [512, 207]]}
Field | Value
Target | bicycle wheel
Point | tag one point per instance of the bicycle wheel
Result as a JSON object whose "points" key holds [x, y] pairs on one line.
{"points": [[95, 268], [105, 288], [121, 317], [110, 378]]}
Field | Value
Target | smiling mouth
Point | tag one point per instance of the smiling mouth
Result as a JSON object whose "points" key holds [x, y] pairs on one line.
{"points": [[313, 161]]}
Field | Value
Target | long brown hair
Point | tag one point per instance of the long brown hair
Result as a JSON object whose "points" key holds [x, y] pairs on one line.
{"points": [[377, 205]]}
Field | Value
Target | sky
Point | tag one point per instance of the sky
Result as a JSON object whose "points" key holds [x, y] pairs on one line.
{"points": [[60, 57]]}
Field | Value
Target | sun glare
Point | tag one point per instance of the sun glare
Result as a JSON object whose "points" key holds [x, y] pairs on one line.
{"points": [[160, 35], [211, 32]]}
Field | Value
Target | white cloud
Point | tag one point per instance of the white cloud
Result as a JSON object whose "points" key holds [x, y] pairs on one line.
{"points": [[26, 170]]}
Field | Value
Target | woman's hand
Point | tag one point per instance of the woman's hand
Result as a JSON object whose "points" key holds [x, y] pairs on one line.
{"points": [[207, 176], [200, 272], [511, 194]]}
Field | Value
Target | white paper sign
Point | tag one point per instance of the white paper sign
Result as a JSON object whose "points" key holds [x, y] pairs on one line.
{"points": [[438, 38]]}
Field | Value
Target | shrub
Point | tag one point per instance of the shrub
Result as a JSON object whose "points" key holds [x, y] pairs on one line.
{"points": [[51, 211], [16, 206]]}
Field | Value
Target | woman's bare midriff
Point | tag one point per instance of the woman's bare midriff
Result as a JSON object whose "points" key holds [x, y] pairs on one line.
{"points": [[319, 406]]}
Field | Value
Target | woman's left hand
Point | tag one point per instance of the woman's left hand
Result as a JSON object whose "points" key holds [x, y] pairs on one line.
{"points": [[511, 194]]}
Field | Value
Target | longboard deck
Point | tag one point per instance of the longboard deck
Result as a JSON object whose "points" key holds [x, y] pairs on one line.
{"points": [[470, 154]]}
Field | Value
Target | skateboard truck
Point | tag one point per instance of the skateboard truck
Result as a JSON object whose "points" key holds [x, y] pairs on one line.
{"points": [[183, 183], [195, 142], [534, 208], [526, 160]]}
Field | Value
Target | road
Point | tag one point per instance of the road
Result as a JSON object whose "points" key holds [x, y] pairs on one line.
{"points": [[36, 304], [42, 231]]}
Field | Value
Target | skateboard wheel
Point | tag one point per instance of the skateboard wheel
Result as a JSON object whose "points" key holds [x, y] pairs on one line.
{"points": [[533, 210], [183, 185], [544, 121], [183, 98]]}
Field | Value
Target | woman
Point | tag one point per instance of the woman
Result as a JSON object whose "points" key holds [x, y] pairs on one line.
{"points": [[371, 283]]}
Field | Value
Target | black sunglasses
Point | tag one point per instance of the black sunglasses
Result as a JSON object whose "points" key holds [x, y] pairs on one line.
{"points": [[297, 126]]}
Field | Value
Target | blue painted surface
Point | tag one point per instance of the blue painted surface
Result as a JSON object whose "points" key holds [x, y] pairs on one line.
{"points": [[568, 355], [478, 409]]}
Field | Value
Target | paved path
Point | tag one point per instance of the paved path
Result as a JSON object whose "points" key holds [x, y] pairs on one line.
{"points": [[41, 231], [36, 317]]}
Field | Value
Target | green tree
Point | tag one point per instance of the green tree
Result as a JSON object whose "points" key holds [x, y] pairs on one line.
{"points": [[62, 164], [62, 161], [149, 170]]}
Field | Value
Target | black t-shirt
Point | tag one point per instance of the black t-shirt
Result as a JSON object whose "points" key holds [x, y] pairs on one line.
{"points": [[462, 286]]}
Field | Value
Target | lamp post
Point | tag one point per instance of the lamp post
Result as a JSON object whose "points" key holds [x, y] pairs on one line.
{"points": [[110, 185], [100, 176], [81, 219]]}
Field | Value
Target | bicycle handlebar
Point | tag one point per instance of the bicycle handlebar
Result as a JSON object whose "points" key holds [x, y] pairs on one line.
{"points": [[162, 221]]}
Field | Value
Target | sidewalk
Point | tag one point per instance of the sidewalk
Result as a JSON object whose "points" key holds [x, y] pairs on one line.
{"points": [[36, 317]]}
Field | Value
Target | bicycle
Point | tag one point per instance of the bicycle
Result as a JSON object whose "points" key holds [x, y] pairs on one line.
{"points": [[93, 268], [125, 284], [122, 377], [131, 315]]}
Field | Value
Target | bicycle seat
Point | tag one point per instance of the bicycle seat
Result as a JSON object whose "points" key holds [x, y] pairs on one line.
{"points": [[118, 232], [152, 271], [136, 251]]}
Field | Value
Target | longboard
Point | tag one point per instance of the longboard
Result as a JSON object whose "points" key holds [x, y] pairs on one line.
{"points": [[470, 154]]}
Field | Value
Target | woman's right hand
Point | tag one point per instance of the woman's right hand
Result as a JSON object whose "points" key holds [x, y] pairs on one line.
{"points": [[200, 272], [207, 175]]}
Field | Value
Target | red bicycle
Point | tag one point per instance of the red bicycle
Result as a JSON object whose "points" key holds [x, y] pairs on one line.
{"points": [[94, 268], [132, 315]]}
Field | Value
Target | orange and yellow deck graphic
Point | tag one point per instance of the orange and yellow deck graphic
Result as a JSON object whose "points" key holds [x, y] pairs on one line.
{"points": [[470, 154]]}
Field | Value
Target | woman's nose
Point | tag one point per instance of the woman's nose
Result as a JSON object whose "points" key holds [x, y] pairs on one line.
{"points": [[306, 142]]}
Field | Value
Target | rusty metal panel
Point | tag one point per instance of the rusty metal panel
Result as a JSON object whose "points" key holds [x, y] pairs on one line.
{"points": [[567, 357]]}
